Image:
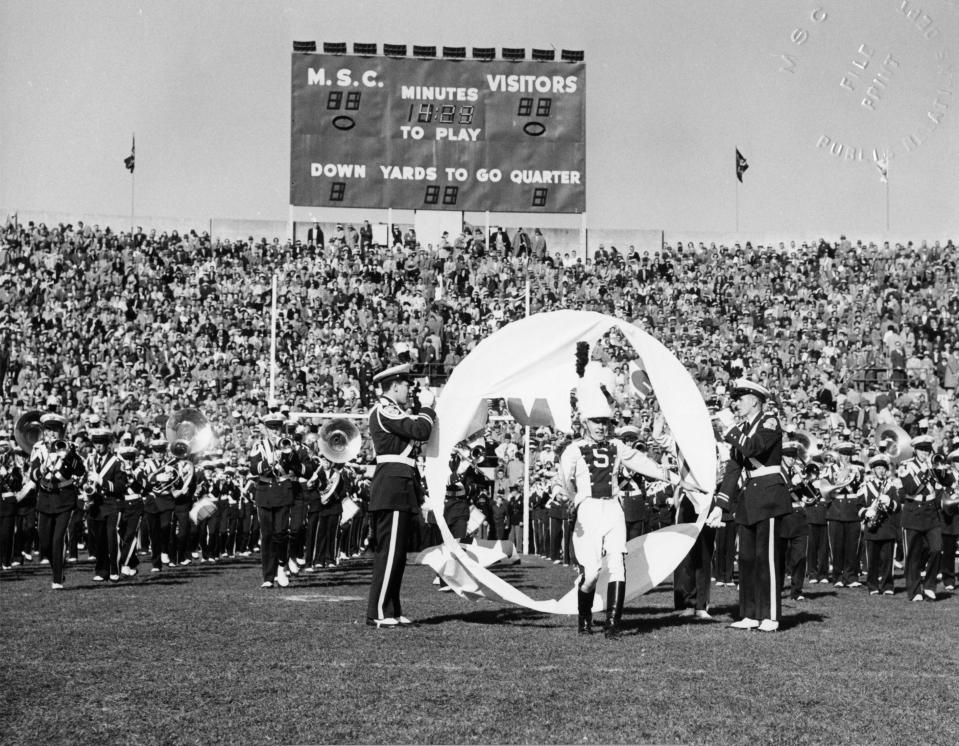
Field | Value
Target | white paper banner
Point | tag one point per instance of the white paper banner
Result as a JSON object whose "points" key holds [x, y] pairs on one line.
{"points": [[534, 358]]}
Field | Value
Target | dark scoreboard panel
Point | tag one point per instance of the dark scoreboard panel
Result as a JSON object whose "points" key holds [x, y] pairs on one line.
{"points": [[438, 134]]}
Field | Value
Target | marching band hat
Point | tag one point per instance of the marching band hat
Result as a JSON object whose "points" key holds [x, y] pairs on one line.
{"points": [[53, 421], [158, 444], [953, 455], [923, 442], [790, 449], [387, 375], [880, 459], [101, 435], [592, 403], [845, 448], [53, 400], [628, 433], [127, 452], [743, 386], [273, 419]]}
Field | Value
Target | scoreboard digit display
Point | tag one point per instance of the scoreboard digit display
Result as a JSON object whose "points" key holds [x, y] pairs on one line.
{"points": [[438, 134]]}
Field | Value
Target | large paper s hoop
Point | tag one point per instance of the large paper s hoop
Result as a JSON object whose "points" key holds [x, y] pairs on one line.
{"points": [[533, 359]]}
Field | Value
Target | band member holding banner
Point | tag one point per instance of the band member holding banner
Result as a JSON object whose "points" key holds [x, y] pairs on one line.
{"points": [[104, 490], [396, 491], [57, 470], [587, 473], [920, 520], [756, 453], [274, 464], [881, 525]]}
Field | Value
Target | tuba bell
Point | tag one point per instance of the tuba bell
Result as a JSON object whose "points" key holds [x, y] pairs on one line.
{"points": [[895, 442], [27, 431], [339, 440], [188, 433]]}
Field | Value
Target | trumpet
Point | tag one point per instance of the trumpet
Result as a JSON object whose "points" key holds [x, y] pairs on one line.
{"points": [[57, 455]]}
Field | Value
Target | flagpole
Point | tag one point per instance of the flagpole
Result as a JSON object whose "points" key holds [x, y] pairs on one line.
{"points": [[133, 185], [887, 204], [737, 205]]}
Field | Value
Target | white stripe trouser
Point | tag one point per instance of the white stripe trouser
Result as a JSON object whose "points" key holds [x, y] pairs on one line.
{"points": [[600, 531]]}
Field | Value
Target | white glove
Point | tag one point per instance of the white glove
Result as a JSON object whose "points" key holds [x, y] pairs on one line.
{"points": [[870, 513], [715, 517], [725, 419], [426, 397]]}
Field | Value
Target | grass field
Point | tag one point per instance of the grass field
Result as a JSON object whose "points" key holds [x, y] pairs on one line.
{"points": [[203, 655]]}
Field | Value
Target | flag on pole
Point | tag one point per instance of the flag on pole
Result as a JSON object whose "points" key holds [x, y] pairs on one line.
{"points": [[741, 165], [130, 160], [883, 165], [639, 380]]}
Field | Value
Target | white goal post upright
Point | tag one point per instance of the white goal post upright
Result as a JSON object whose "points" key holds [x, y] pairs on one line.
{"points": [[272, 398]]}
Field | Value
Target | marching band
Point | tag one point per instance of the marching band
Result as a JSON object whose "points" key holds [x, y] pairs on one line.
{"points": [[174, 499], [302, 504]]}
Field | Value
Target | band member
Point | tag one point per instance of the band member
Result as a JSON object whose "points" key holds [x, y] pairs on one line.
{"points": [[316, 482], [248, 524], [396, 492], [339, 486], [25, 532], [274, 466], [104, 490], [208, 527], [587, 475], [132, 515], [11, 484], [920, 520], [840, 490], [294, 557], [724, 556], [881, 525], [227, 493], [186, 482], [158, 475], [950, 525], [817, 549], [756, 454], [794, 530], [57, 469]]}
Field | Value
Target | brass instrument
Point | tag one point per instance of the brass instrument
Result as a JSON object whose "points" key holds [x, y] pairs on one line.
{"points": [[339, 440], [285, 445], [895, 442], [880, 511], [808, 446], [188, 432], [27, 431]]}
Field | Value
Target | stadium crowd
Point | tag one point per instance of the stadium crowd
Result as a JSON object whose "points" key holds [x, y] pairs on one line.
{"points": [[121, 329]]}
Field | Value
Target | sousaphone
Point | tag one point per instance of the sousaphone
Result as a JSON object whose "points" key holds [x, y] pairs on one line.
{"points": [[188, 432], [28, 430], [895, 442], [339, 440]]}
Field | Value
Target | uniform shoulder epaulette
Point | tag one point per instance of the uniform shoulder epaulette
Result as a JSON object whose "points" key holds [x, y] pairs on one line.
{"points": [[390, 409]]}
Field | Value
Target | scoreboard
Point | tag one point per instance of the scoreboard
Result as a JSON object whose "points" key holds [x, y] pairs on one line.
{"points": [[438, 134]]}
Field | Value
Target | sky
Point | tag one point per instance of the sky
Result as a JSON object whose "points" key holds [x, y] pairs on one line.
{"points": [[810, 93]]}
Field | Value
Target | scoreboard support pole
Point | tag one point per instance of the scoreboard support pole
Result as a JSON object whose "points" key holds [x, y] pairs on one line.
{"points": [[389, 228], [290, 225], [486, 237]]}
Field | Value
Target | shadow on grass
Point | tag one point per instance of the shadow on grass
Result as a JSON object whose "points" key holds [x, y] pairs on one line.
{"points": [[514, 616]]}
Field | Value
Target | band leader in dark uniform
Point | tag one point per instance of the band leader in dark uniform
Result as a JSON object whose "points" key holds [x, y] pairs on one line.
{"points": [[756, 454], [57, 469], [396, 491]]}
